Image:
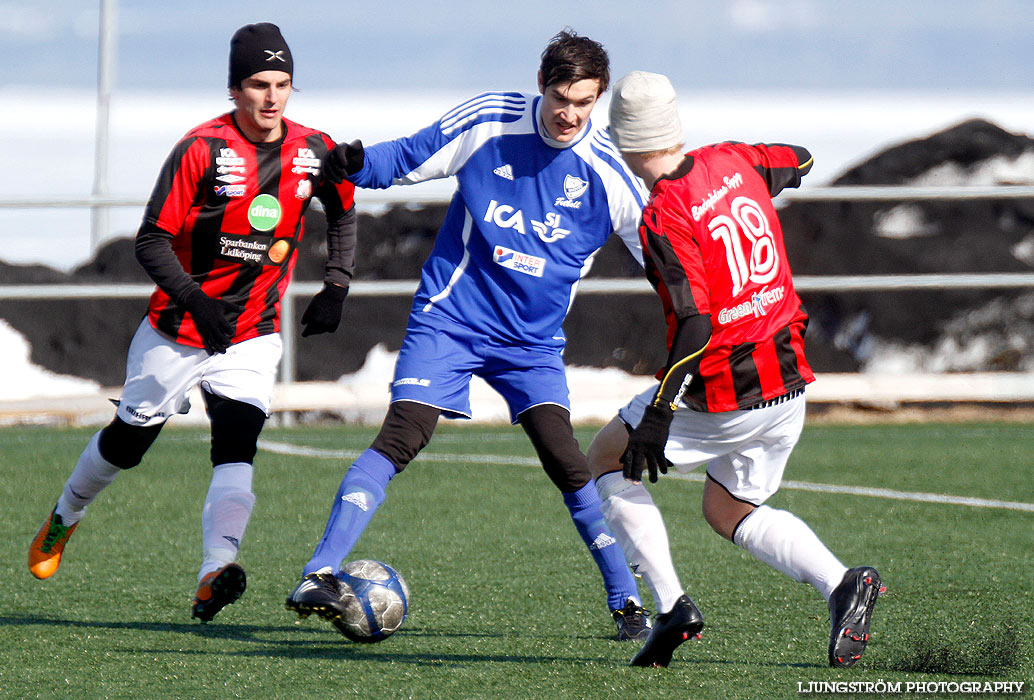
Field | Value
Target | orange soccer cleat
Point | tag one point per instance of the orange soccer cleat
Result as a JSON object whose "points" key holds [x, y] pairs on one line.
{"points": [[217, 590], [48, 545]]}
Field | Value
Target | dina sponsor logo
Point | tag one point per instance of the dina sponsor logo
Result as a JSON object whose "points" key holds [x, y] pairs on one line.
{"points": [[264, 212]]}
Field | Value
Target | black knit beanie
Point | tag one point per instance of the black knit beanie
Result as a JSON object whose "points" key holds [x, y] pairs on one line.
{"points": [[258, 47]]}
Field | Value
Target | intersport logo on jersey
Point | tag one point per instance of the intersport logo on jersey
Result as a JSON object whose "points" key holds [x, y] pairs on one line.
{"points": [[519, 262]]}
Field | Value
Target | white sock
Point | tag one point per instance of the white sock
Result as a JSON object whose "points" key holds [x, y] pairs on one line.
{"points": [[225, 515], [636, 522], [785, 542], [91, 475]]}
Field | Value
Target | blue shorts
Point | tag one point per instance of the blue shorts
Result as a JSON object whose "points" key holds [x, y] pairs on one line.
{"points": [[438, 358]]}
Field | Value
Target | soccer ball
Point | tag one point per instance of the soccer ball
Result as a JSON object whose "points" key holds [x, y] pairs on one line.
{"points": [[376, 599]]}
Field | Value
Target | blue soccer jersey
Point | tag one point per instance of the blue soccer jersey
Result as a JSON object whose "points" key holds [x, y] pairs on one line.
{"points": [[527, 217]]}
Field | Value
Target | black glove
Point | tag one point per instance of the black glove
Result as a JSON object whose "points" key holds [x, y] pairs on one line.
{"points": [[646, 445], [212, 320], [323, 314], [343, 160]]}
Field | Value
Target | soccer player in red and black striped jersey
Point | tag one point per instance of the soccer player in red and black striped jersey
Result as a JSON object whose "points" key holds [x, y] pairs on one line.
{"points": [[219, 238], [731, 395]]}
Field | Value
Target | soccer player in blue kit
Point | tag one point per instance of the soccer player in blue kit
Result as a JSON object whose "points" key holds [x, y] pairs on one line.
{"points": [[540, 189]]}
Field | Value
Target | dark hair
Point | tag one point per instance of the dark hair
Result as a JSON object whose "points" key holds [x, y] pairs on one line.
{"points": [[569, 58]]}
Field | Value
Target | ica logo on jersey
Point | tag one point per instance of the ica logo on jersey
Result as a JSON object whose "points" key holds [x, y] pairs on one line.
{"points": [[229, 163], [505, 216], [305, 162], [229, 159]]}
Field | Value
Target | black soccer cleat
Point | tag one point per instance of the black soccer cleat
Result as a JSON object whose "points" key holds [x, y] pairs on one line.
{"points": [[217, 590], [850, 612], [670, 629], [318, 593], [633, 622]]}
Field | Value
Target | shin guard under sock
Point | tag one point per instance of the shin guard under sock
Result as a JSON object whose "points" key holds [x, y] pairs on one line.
{"points": [[361, 492], [584, 506]]}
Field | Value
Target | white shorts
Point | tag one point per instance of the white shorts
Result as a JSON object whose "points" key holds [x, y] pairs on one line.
{"points": [[161, 373], [745, 451]]}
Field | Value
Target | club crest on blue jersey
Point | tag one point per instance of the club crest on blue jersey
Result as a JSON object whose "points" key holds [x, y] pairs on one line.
{"points": [[574, 187]]}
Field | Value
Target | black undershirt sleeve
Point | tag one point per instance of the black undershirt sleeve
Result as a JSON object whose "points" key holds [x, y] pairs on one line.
{"points": [[692, 334], [341, 240], [154, 253]]}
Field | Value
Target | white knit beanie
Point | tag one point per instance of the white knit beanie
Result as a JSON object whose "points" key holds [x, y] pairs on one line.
{"points": [[643, 113]]}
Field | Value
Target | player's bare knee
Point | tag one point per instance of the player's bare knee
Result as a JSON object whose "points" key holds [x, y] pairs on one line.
{"points": [[124, 445], [722, 511], [718, 523], [606, 448]]}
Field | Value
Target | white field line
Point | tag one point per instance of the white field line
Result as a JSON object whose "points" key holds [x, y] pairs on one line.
{"points": [[284, 448]]}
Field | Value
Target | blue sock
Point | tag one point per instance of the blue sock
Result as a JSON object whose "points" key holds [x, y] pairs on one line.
{"points": [[360, 493], [584, 505]]}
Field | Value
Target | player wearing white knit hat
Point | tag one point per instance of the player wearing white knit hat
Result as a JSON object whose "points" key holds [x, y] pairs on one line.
{"points": [[731, 395]]}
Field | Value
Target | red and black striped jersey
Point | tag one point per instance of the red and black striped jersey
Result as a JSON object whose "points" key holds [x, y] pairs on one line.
{"points": [[712, 244], [234, 210]]}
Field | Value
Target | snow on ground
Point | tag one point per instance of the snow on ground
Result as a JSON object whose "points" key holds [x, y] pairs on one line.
{"points": [[24, 380], [34, 394]]}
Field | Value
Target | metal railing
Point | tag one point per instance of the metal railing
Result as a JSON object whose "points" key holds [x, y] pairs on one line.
{"points": [[399, 195], [804, 283]]}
